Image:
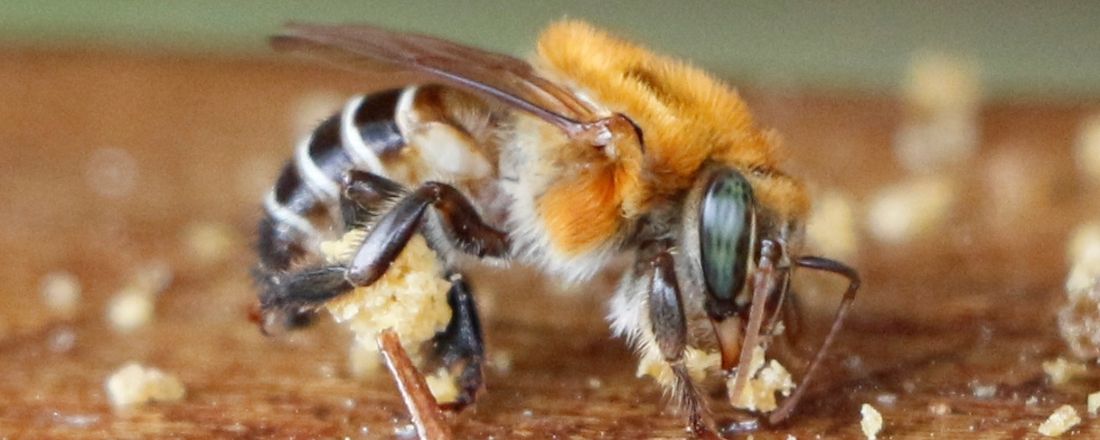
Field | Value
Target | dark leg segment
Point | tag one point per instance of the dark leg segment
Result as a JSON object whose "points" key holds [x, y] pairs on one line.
{"points": [[822, 264], [363, 193], [289, 294], [396, 227], [666, 315], [277, 245], [305, 289], [666, 312], [460, 346], [286, 298]]}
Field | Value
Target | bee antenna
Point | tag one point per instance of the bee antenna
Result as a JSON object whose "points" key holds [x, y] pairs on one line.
{"points": [[831, 266]]}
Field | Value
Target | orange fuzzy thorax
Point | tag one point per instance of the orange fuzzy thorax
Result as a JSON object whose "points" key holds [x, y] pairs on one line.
{"points": [[687, 117]]}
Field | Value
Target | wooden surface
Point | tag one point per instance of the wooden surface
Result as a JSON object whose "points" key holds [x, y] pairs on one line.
{"points": [[966, 307]]}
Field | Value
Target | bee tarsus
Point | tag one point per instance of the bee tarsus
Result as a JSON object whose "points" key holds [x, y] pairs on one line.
{"points": [[394, 229], [460, 347]]}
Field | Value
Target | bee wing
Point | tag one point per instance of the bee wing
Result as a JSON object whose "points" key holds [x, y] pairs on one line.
{"points": [[419, 58]]}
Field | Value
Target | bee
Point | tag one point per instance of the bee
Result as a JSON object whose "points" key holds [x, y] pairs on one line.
{"points": [[596, 149]]}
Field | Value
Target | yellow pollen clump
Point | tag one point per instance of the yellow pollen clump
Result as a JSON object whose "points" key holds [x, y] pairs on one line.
{"points": [[765, 379], [410, 298]]}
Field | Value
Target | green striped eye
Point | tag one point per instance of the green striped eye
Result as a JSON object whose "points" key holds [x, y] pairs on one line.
{"points": [[726, 235]]}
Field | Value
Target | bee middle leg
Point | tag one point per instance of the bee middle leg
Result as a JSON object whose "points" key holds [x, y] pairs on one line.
{"points": [[669, 326]]}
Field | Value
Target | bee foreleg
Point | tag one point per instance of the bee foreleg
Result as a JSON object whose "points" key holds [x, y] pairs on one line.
{"points": [[666, 315], [394, 229], [460, 346]]}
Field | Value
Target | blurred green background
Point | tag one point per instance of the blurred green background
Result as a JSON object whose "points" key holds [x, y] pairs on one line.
{"points": [[1026, 50]]}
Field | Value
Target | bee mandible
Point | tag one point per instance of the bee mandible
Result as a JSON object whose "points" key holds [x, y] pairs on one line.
{"points": [[596, 149]]}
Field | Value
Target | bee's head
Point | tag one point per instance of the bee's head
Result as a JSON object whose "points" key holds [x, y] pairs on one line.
{"points": [[740, 248], [722, 256], [737, 243]]}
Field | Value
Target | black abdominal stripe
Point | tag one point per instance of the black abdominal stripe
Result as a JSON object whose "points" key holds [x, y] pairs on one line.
{"points": [[309, 185]]}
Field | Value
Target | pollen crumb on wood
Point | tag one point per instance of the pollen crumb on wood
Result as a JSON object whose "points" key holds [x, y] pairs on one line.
{"points": [[901, 212], [832, 227], [940, 408], [1079, 318], [1063, 419], [870, 422], [363, 359], [61, 293], [133, 306], [134, 384], [1093, 403], [1019, 180], [209, 242], [698, 363], [766, 378], [501, 361], [1062, 371], [153, 277], [887, 399], [942, 96], [1083, 252], [111, 172], [983, 391], [129, 310], [442, 385]]}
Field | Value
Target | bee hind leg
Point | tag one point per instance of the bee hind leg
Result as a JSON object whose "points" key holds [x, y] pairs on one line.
{"points": [[394, 228], [460, 347], [287, 298], [364, 193], [666, 315], [287, 295], [281, 241]]}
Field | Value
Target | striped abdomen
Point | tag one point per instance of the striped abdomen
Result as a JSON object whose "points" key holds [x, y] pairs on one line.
{"points": [[306, 196]]}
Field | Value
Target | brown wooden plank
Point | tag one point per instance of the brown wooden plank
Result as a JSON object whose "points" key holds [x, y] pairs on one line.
{"points": [[970, 307]]}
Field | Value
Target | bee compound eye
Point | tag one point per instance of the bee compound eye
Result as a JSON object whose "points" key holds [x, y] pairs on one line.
{"points": [[726, 235]]}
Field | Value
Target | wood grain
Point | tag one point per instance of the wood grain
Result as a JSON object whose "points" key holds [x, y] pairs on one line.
{"points": [[970, 306]]}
